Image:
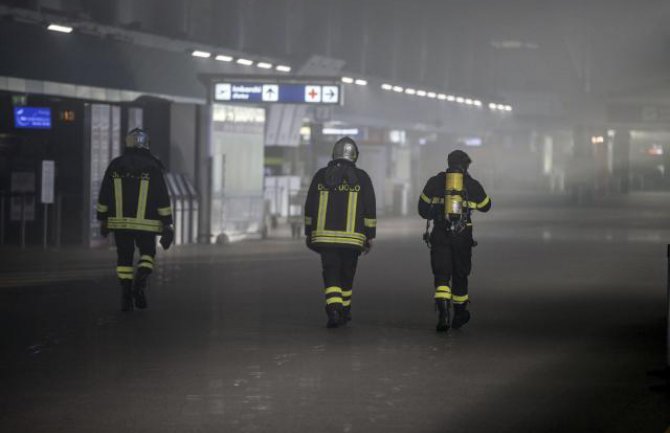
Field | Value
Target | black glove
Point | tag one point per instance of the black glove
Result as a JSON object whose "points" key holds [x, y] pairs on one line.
{"points": [[367, 247], [104, 231], [167, 237], [308, 242]]}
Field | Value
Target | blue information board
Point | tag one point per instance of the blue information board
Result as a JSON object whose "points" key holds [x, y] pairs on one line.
{"points": [[32, 117], [279, 93]]}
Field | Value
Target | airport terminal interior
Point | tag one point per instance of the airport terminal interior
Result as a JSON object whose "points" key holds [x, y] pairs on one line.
{"points": [[377, 216]]}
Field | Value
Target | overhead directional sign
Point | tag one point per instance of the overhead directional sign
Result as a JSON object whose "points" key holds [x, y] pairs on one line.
{"points": [[283, 93]]}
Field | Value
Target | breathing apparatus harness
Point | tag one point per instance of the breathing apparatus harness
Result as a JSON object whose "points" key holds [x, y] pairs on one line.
{"points": [[455, 214]]}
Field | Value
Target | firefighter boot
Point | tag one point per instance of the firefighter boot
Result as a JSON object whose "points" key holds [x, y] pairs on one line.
{"points": [[126, 295], [140, 284], [346, 314], [461, 315], [442, 306], [335, 316]]}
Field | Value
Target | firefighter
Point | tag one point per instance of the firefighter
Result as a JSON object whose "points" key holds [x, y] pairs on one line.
{"points": [[448, 199], [134, 204], [340, 223]]}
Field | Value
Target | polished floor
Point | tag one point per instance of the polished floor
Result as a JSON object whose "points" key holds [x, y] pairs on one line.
{"points": [[568, 317]]}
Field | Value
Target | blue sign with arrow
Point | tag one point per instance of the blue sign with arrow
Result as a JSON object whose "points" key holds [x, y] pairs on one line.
{"points": [[281, 93]]}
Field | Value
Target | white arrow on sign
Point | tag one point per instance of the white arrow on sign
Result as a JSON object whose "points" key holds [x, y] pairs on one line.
{"points": [[223, 92], [270, 92], [330, 95], [313, 94]]}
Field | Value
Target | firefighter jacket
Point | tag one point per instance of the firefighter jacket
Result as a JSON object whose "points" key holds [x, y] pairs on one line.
{"points": [[431, 202], [133, 194], [340, 209]]}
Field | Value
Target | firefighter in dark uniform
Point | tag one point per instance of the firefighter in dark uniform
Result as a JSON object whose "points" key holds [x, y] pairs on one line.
{"points": [[448, 199], [135, 205], [340, 223]]}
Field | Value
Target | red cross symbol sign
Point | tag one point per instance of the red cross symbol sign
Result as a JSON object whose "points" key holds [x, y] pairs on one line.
{"points": [[313, 94]]}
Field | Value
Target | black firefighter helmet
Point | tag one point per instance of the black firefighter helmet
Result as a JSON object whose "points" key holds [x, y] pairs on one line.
{"points": [[459, 160], [137, 139], [346, 149]]}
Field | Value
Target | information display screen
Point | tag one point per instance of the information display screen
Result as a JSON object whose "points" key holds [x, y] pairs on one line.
{"points": [[32, 117], [281, 93]]}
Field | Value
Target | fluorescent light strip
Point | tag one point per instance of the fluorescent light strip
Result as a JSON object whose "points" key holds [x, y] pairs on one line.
{"points": [[201, 54], [59, 28], [223, 58], [283, 68], [360, 82], [244, 62], [431, 95], [493, 106], [264, 65], [347, 80]]}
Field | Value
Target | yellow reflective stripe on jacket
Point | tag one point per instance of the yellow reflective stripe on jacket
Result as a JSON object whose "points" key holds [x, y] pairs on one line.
{"points": [[484, 202], [370, 222], [118, 196], [116, 223], [142, 200], [165, 211], [323, 208], [425, 198], [347, 293], [351, 211], [475, 205], [438, 200], [338, 233], [335, 300], [101, 208], [336, 240], [308, 221]]}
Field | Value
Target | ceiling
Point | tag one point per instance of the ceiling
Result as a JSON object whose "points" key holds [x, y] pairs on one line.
{"points": [[482, 47]]}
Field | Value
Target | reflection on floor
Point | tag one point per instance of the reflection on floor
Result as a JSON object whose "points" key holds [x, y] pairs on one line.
{"points": [[568, 315]]}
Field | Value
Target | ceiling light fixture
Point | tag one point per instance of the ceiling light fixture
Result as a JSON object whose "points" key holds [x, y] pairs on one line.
{"points": [[201, 54], [59, 28]]}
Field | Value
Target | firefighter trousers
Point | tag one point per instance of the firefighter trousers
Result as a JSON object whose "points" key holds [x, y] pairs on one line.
{"points": [[339, 268], [451, 261], [126, 242]]}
